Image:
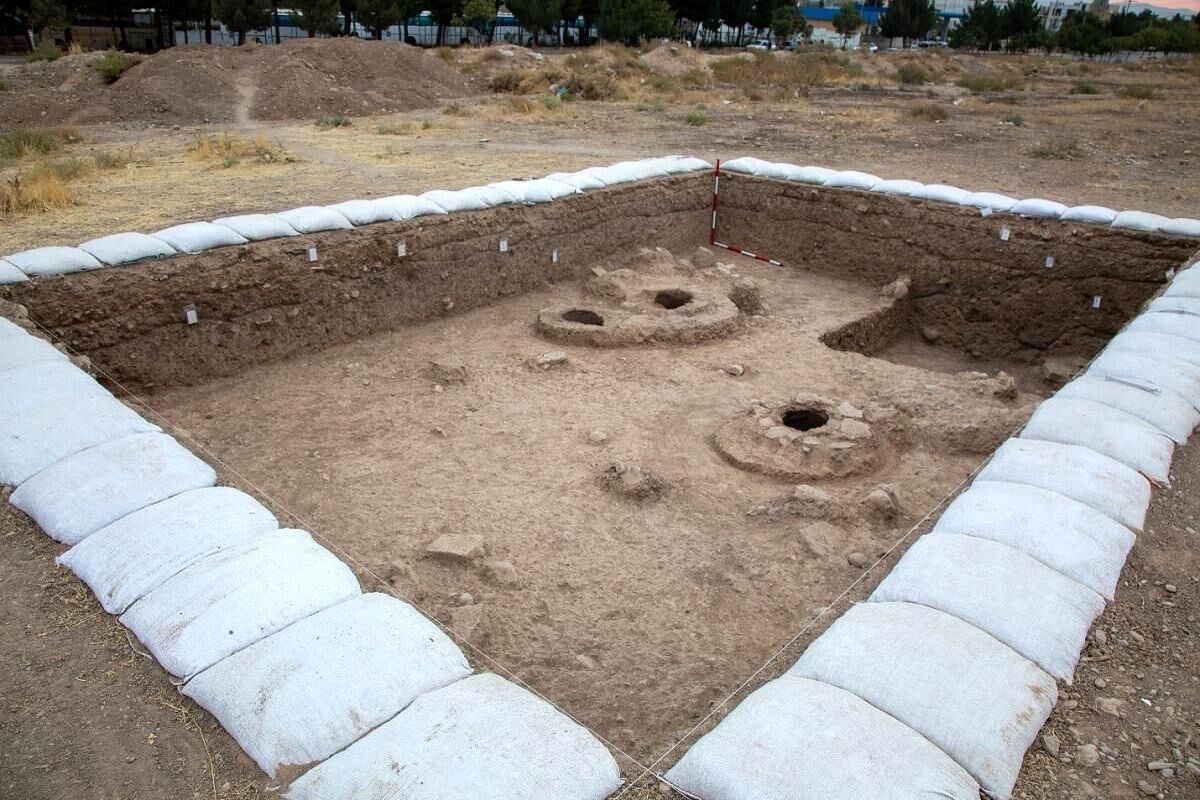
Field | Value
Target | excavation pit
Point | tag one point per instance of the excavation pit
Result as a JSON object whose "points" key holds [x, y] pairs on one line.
{"points": [[311, 380]]}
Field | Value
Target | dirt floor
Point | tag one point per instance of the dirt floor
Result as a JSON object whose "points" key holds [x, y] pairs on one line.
{"points": [[665, 601]]}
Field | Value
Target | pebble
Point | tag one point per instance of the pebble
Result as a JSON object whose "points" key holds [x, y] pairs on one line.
{"points": [[466, 599], [1101, 683], [552, 358], [1171, 588], [457, 546], [882, 501], [1147, 788], [502, 572], [1051, 744], [587, 662], [1087, 754], [859, 560], [1100, 636], [597, 437], [736, 370], [1155, 766]]}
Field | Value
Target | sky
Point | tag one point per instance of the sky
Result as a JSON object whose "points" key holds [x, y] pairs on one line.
{"points": [[1180, 5]]}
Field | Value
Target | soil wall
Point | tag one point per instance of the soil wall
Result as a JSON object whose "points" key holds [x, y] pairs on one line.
{"points": [[266, 301], [984, 295]]}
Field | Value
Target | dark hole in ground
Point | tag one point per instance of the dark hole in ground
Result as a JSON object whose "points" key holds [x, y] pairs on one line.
{"points": [[583, 317], [673, 298], [804, 419]]}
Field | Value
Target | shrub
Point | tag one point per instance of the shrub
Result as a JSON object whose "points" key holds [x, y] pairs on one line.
{"points": [[113, 65], [930, 112], [1084, 88], [45, 51], [4, 87], [696, 118], [1014, 119], [1138, 93], [106, 160], [35, 191], [455, 110], [394, 128], [20, 142], [337, 121], [1064, 150], [912, 74], [230, 150]]}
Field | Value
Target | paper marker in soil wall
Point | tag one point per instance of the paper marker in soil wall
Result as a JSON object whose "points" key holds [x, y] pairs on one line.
{"points": [[712, 231]]}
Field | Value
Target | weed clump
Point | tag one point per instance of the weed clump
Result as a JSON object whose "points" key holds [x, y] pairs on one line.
{"points": [[930, 112], [113, 65]]}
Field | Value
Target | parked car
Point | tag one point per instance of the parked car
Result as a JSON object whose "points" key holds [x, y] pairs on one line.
{"points": [[759, 44]]}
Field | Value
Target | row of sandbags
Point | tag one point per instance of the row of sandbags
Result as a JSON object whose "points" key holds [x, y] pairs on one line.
{"points": [[264, 627], [197, 237], [940, 681], [1030, 207]]}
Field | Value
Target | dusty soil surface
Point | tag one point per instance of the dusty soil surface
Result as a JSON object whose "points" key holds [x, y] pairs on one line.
{"points": [[200, 83], [641, 572]]}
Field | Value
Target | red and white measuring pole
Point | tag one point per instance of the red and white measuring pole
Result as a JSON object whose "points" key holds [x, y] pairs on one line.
{"points": [[712, 232]]}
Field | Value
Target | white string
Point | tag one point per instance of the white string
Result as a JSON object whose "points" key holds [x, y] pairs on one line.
{"points": [[388, 587]]}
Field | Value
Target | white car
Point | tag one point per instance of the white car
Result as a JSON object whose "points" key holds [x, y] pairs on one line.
{"points": [[759, 44]]}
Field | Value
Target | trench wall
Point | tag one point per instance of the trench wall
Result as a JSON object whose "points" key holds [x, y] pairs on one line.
{"points": [[265, 301], [987, 296]]}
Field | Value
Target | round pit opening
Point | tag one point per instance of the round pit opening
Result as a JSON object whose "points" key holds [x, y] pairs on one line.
{"points": [[583, 317], [672, 298], [804, 419]]}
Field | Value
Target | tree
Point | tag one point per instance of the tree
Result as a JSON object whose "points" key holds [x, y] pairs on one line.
{"points": [[1082, 32], [847, 21], [1022, 24], [735, 14], [317, 16], [787, 22], [982, 27], [908, 19], [45, 14], [242, 15], [348, 8], [378, 15], [630, 21], [481, 15], [536, 15]]}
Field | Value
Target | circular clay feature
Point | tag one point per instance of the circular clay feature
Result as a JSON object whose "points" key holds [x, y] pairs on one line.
{"points": [[672, 298], [582, 316], [640, 314], [810, 438]]}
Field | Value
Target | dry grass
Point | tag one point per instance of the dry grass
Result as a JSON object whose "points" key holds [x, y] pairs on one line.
{"points": [[231, 150], [1138, 92], [336, 121], [929, 112], [794, 74], [394, 128], [35, 191], [1061, 150], [21, 142]]}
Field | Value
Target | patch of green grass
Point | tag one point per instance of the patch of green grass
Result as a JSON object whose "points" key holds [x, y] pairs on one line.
{"points": [[4, 87], [109, 160], [1084, 88], [652, 107], [20, 142], [1064, 150], [1014, 119], [696, 118], [113, 65], [1138, 93], [337, 121], [45, 51], [550, 102], [912, 74]]}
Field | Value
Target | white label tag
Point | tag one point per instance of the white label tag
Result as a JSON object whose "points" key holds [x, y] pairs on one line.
{"points": [[1005, 233], [985, 211], [554, 256], [189, 314], [312, 252], [401, 248], [1049, 262], [1095, 301], [504, 245]]}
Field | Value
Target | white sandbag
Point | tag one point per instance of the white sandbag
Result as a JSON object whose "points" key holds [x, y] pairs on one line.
{"points": [[462, 200], [808, 174], [1180, 227], [1165, 344], [366, 212], [1184, 325], [1151, 369], [44, 433], [773, 169], [747, 165], [196, 237], [10, 274], [967, 693], [643, 168], [582, 180], [314, 219], [899, 187], [257, 227], [1100, 215], [304, 693], [1139, 221], [128, 559], [1038, 207], [941, 193], [1162, 409], [1114, 433], [1077, 472], [1174, 304], [231, 600], [481, 737], [55, 383], [22, 351], [408, 206], [77, 496], [527, 191], [800, 739], [1064, 534], [1042, 614], [1186, 283], [851, 179], [616, 174], [41, 261], [996, 202], [126, 248], [678, 165], [10, 328]]}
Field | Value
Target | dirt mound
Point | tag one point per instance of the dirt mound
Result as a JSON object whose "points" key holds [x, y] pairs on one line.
{"points": [[674, 60], [198, 83]]}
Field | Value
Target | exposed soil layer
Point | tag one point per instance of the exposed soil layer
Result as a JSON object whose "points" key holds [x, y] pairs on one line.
{"points": [[300, 78], [266, 301], [639, 585], [987, 296]]}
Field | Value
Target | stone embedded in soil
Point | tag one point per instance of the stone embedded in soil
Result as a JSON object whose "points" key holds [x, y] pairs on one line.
{"points": [[447, 371], [883, 502], [1051, 744], [703, 258], [802, 501], [736, 370], [400, 571], [820, 538], [1087, 754], [502, 572], [897, 289], [1147, 788], [457, 547], [585, 661], [467, 620], [633, 481], [859, 560], [597, 437], [1110, 705], [747, 295], [1057, 370], [849, 411], [931, 333], [552, 358], [855, 429]]}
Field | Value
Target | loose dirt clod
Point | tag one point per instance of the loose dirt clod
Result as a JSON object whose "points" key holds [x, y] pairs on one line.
{"points": [[633, 481]]}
